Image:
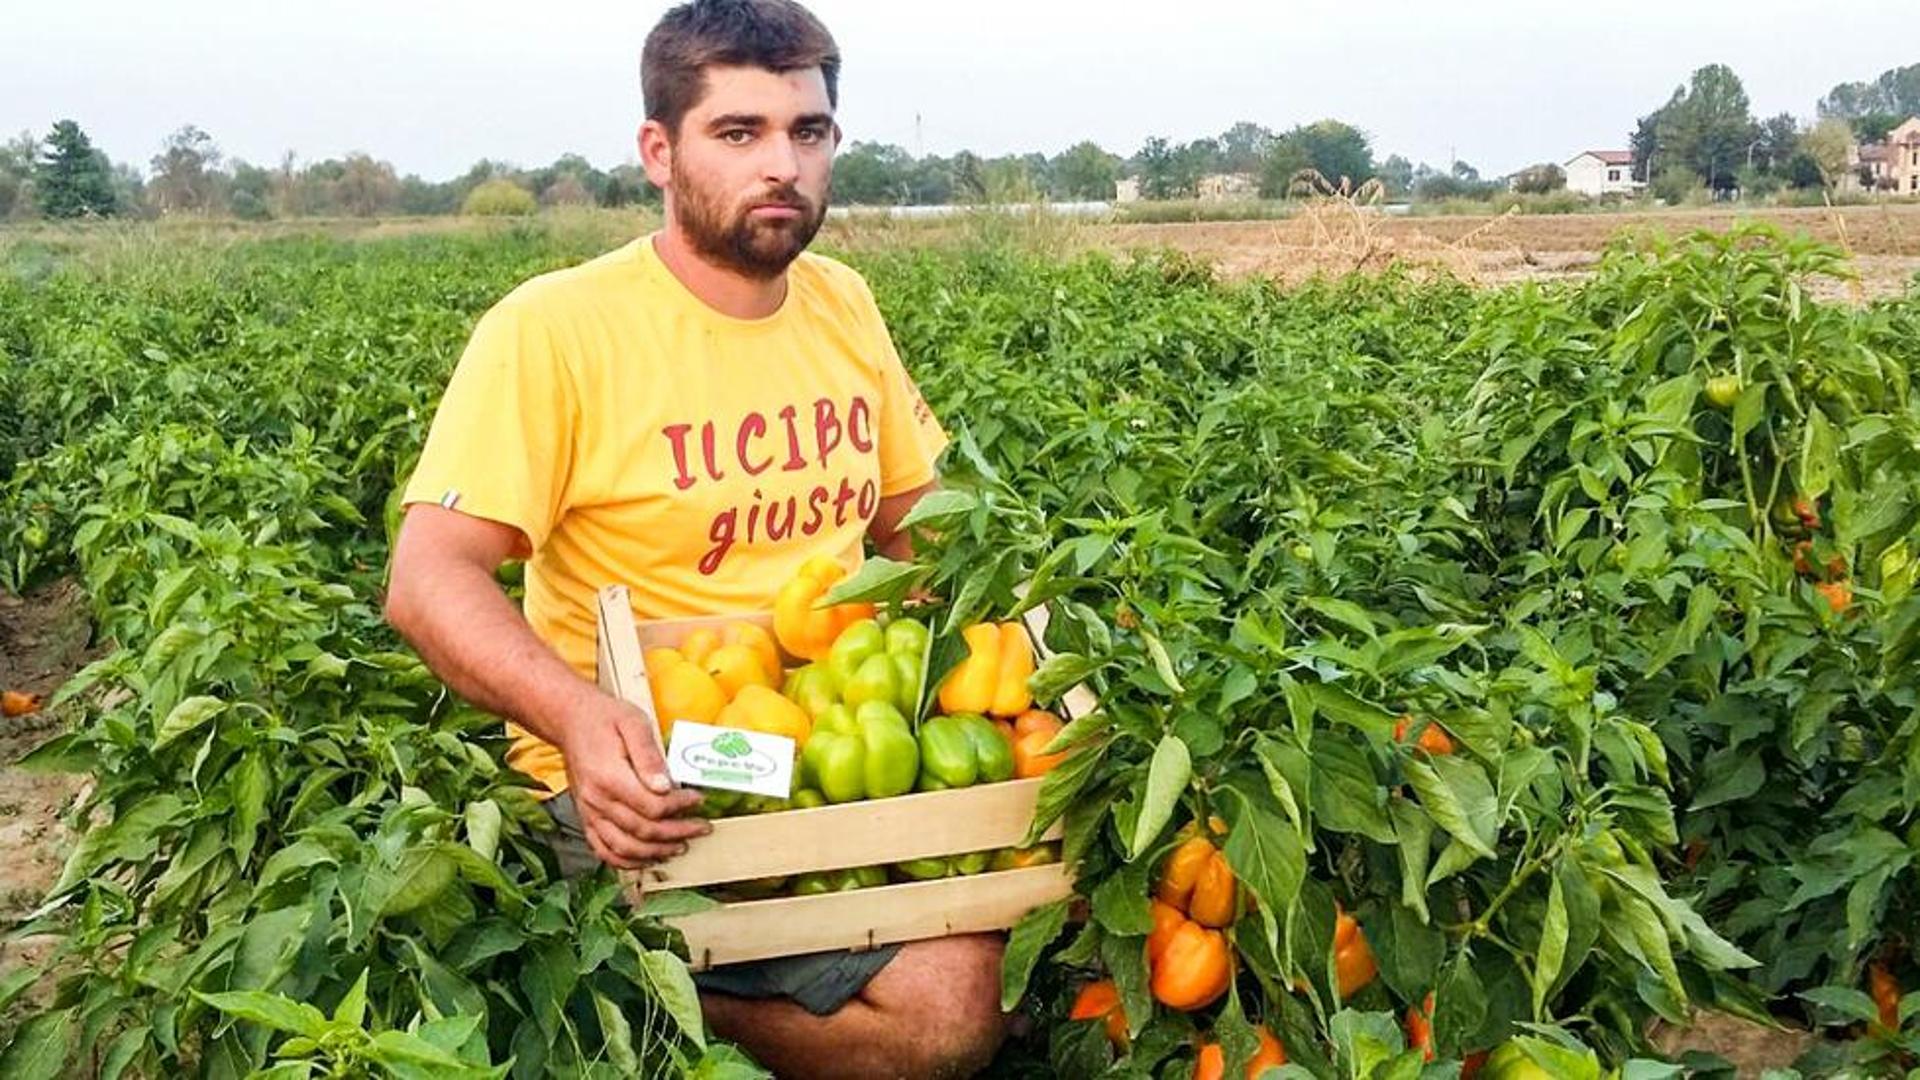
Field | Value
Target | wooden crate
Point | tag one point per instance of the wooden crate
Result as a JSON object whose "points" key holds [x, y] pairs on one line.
{"points": [[916, 826]]}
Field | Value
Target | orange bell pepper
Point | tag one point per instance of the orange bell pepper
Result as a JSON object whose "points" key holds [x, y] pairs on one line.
{"points": [[1101, 1001], [1420, 1027], [1353, 962], [804, 630], [1212, 1063], [1433, 738], [993, 678], [1191, 967], [1197, 880], [1885, 991], [19, 703], [1032, 733]]}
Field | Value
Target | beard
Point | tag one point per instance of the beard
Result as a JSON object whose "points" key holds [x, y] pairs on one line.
{"points": [[730, 236]]}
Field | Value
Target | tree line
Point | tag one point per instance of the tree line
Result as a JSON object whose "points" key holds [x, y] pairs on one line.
{"points": [[1704, 138]]}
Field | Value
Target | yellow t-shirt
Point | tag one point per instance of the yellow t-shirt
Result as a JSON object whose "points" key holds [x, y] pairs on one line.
{"points": [[637, 436]]}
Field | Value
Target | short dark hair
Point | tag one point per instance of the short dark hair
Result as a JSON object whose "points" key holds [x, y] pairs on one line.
{"points": [[778, 35]]}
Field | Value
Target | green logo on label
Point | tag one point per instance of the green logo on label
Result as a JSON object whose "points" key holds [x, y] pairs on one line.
{"points": [[732, 744]]}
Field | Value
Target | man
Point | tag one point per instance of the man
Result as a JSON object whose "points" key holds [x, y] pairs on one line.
{"points": [[693, 415]]}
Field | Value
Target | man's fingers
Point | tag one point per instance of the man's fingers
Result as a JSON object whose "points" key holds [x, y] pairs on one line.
{"points": [[599, 806], [643, 752], [633, 853]]}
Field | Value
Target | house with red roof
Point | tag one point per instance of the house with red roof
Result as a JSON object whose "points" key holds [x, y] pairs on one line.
{"points": [[1602, 172]]}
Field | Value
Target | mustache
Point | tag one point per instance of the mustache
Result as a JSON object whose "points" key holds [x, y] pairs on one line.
{"points": [[788, 198]]}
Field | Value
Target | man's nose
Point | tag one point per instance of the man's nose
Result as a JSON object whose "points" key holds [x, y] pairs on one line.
{"points": [[781, 163]]}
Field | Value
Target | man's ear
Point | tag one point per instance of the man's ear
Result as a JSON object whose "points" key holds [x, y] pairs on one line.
{"points": [[838, 135], [656, 153]]}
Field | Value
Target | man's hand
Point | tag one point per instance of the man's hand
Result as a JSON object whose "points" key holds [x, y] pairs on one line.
{"points": [[631, 812]]}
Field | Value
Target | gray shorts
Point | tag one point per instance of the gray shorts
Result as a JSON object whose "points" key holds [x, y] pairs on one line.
{"points": [[818, 982]]}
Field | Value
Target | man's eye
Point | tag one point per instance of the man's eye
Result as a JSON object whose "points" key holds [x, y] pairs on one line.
{"points": [[738, 136], [812, 134]]}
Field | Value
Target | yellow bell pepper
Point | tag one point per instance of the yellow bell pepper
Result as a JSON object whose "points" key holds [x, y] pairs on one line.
{"points": [[993, 677], [803, 630], [758, 708], [682, 690]]}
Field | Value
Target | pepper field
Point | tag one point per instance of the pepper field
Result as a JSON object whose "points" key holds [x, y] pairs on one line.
{"points": [[1668, 634]]}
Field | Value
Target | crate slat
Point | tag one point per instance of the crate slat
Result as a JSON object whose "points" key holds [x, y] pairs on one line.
{"points": [[867, 833], [868, 918]]}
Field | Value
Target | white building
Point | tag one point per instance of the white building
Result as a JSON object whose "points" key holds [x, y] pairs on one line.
{"points": [[1127, 189], [1602, 172]]}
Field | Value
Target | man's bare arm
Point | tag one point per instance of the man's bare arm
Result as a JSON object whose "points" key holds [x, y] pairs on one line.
{"points": [[888, 538], [444, 600]]}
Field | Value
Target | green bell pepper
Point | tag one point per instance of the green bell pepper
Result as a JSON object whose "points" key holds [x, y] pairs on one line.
{"points": [[827, 881], [812, 688], [864, 753], [960, 751]]}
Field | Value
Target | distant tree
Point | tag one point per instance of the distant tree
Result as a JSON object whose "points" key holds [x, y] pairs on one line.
{"points": [[250, 192], [1084, 171], [186, 174], [1777, 143], [1829, 145], [1244, 147], [498, 197], [1874, 127], [366, 187], [1707, 127], [16, 176], [1335, 149], [1895, 93], [568, 190], [73, 179], [969, 179], [872, 174], [1159, 170], [628, 185], [1396, 174], [1286, 158], [1540, 179]]}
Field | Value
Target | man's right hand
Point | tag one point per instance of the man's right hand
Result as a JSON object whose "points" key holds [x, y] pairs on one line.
{"points": [[631, 812]]}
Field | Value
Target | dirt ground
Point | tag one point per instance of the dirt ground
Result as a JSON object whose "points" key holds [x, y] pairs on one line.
{"points": [[43, 640], [1334, 238]]}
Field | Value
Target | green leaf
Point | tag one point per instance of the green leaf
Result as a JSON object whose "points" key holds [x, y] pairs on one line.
{"points": [[1167, 777], [1030, 936], [1415, 833], [39, 1048], [1347, 796], [272, 1010], [483, 819], [185, 717], [1264, 849], [1459, 797], [1059, 787], [672, 983], [938, 508], [1060, 673], [878, 579], [252, 779], [1338, 705], [1125, 959], [353, 1004], [1550, 955], [618, 1035], [1121, 902]]}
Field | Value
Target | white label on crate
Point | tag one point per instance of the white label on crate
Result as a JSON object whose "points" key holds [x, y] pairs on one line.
{"points": [[715, 757]]}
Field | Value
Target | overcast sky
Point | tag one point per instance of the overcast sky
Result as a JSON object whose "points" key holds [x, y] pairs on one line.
{"points": [[434, 85]]}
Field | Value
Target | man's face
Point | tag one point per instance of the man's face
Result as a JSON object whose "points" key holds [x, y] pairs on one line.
{"points": [[747, 176]]}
